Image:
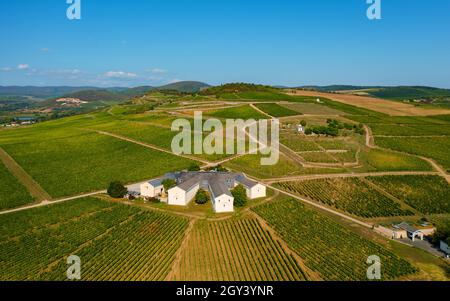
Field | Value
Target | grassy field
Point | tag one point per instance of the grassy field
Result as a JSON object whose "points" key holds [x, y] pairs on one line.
{"points": [[276, 110], [385, 160], [235, 250], [88, 161], [435, 148], [428, 194], [241, 112], [351, 195], [12, 192], [114, 242], [312, 109], [285, 167], [335, 252]]}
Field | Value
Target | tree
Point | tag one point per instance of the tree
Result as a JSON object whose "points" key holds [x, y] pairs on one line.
{"points": [[303, 123], [117, 190], [169, 183], [240, 196], [201, 197], [194, 167]]}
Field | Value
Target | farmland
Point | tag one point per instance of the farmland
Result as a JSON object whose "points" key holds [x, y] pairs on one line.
{"points": [[235, 250], [114, 242], [351, 195], [12, 192], [276, 110], [435, 148], [376, 104], [335, 252], [428, 194], [87, 161], [241, 112]]}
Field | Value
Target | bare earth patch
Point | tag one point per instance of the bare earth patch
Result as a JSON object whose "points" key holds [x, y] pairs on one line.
{"points": [[376, 104]]}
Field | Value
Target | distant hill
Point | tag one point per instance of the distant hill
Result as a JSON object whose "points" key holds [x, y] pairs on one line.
{"points": [[237, 88], [185, 86], [40, 92], [394, 93]]}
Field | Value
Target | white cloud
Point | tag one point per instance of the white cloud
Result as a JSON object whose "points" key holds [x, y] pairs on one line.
{"points": [[45, 49], [23, 66], [6, 69], [120, 74]]}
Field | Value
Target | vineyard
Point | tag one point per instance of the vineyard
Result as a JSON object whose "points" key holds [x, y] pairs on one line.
{"points": [[115, 242], [86, 162], [333, 251], [352, 195], [12, 192], [276, 110], [235, 250], [428, 194], [242, 112]]}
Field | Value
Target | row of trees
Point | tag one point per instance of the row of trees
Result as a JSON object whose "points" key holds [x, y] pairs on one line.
{"points": [[333, 127]]}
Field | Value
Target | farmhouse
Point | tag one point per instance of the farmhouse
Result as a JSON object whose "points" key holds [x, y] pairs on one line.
{"points": [[218, 184], [405, 230]]}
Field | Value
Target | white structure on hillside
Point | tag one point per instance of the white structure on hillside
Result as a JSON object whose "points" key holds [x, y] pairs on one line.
{"points": [[152, 189], [218, 184]]}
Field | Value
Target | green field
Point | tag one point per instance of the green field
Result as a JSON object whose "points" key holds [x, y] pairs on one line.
{"points": [[285, 167], [312, 109], [385, 160], [427, 194], [235, 250], [87, 161], [114, 242], [333, 251], [276, 110], [435, 148], [12, 192], [352, 195], [242, 112]]}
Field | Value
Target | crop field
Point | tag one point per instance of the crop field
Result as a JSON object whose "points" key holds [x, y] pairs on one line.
{"points": [[435, 148], [241, 112], [276, 110], [298, 143], [351, 195], [385, 160], [376, 104], [88, 161], [12, 192], [114, 242], [285, 167], [427, 194], [313, 109], [318, 157], [235, 250], [335, 252]]}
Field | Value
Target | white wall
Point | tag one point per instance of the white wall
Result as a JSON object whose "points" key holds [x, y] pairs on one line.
{"points": [[147, 190], [176, 197], [179, 197], [223, 204], [257, 191]]}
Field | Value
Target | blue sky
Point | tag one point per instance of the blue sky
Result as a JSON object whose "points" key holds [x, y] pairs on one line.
{"points": [[279, 42]]}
